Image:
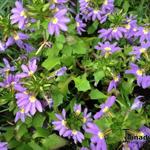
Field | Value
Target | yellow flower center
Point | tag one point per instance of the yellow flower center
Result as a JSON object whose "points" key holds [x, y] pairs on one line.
{"points": [[16, 37], [107, 48], [100, 135], [74, 132], [78, 112], [22, 110], [140, 134], [63, 122], [23, 14], [86, 0], [32, 99], [78, 24], [139, 72], [95, 11], [54, 20], [25, 92], [105, 109], [105, 2], [142, 50], [30, 73], [115, 30], [145, 31], [128, 26], [116, 79], [84, 120], [55, 1]]}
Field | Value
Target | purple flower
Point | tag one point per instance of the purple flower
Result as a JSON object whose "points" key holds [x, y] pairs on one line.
{"points": [[7, 67], [113, 83], [112, 33], [137, 103], [107, 48], [108, 5], [144, 131], [86, 118], [105, 107], [135, 145], [18, 39], [3, 146], [84, 5], [94, 14], [77, 136], [138, 50], [80, 25], [60, 125], [135, 70], [84, 148], [21, 115], [77, 109], [145, 82], [12, 81], [61, 71], [28, 70], [143, 34], [19, 15], [97, 137], [60, 1], [58, 22], [28, 102], [2, 47]]}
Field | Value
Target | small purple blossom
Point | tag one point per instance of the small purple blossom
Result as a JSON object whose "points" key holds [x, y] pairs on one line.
{"points": [[58, 22], [138, 50], [21, 115], [80, 25], [143, 34], [97, 138], [105, 107], [28, 70], [28, 102], [7, 67], [2, 47], [60, 125], [107, 48], [145, 82], [137, 104], [112, 33], [113, 83], [94, 14], [61, 71], [19, 15], [77, 136], [3, 146], [135, 70], [18, 38], [86, 118], [77, 109]]}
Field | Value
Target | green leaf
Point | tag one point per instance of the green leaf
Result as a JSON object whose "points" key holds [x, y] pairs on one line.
{"points": [[57, 97], [126, 5], [54, 142], [9, 134], [99, 75], [96, 94], [80, 47], [35, 146], [60, 39], [81, 83], [38, 120], [50, 63], [93, 27], [40, 132], [21, 130]]}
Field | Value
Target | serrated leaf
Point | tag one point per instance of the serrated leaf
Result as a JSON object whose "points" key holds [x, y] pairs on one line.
{"points": [[98, 76]]}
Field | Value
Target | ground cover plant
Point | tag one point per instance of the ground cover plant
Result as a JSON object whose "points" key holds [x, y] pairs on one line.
{"points": [[74, 74]]}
